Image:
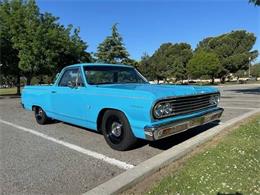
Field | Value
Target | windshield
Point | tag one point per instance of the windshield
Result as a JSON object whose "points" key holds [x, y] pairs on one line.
{"points": [[97, 75]]}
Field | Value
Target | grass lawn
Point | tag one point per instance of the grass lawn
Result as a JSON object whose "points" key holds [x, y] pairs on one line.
{"points": [[230, 167], [8, 91]]}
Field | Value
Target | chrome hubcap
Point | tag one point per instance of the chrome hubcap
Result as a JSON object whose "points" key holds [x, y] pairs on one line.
{"points": [[40, 112], [116, 129]]}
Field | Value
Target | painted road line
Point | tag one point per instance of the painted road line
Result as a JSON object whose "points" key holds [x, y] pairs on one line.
{"points": [[239, 108], [112, 161]]}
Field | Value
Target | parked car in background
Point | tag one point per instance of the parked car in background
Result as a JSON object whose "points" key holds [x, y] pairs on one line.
{"points": [[119, 102]]}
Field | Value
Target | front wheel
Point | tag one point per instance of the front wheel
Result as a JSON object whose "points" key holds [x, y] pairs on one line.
{"points": [[117, 131], [40, 116]]}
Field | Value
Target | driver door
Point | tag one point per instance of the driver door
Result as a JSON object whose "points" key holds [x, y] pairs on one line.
{"points": [[67, 98]]}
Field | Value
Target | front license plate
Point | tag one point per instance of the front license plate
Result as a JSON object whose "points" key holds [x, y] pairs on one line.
{"points": [[211, 117], [197, 122]]}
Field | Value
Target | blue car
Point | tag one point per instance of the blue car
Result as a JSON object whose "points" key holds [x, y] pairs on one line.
{"points": [[119, 102]]}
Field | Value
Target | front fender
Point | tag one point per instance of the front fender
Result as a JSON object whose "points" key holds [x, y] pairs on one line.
{"points": [[137, 110]]}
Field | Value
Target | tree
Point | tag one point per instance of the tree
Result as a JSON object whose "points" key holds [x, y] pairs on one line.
{"points": [[39, 43], [255, 70], [8, 54], [160, 62], [170, 60], [131, 62], [233, 49], [63, 47], [256, 2], [204, 63], [112, 49], [181, 54], [145, 67]]}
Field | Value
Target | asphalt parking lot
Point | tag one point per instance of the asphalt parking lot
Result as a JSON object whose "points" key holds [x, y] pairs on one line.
{"points": [[62, 158]]}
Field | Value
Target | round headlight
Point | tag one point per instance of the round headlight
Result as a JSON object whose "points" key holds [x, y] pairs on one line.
{"points": [[162, 109], [159, 110], [167, 108], [214, 100], [217, 97]]}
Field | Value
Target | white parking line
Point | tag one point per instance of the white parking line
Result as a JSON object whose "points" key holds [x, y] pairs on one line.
{"points": [[96, 155], [239, 108], [239, 100]]}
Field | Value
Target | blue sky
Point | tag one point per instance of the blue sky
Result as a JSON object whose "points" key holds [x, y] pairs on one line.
{"points": [[146, 24]]}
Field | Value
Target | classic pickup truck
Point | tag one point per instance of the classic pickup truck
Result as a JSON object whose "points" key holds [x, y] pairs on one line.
{"points": [[119, 102]]}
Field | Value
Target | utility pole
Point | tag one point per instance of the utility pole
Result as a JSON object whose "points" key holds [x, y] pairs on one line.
{"points": [[249, 67]]}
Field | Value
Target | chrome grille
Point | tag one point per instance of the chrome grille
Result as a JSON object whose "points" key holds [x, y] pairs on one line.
{"points": [[188, 104]]}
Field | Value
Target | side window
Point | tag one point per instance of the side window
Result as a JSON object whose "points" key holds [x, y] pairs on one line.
{"points": [[71, 77], [126, 77], [100, 76]]}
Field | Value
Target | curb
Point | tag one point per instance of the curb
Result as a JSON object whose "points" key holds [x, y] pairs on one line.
{"points": [[237, 85], [9, 96], [130, 177]]}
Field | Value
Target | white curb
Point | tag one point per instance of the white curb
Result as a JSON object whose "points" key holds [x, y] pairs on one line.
{"points": [[130, 177]]}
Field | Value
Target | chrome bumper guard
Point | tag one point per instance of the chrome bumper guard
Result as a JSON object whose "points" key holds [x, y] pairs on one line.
{"points": [[165, 130]]}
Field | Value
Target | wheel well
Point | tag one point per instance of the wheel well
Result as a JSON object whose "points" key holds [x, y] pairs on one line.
{"points": [[100, 116], [34, 107]]}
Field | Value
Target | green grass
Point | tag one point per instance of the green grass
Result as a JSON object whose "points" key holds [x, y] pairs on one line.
{"points": [[8, 91], [230, 167]]}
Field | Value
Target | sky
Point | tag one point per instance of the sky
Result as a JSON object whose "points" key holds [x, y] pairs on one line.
{"points": [[146, 24]]}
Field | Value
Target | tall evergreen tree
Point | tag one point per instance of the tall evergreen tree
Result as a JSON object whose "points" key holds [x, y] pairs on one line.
{"points": [[112, 49]]}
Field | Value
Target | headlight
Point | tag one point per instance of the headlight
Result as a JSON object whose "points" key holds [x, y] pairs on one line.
{"points": [[162, 109], [214, 100], [167, 108], [158, 110]]}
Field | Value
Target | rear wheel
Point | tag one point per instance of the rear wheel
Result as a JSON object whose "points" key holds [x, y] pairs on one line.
{"points": [[117, 131], [40, 116]]}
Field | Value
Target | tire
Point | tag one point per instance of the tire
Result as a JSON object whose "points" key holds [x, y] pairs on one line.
{"points": [[40, 116], [117, 131]]}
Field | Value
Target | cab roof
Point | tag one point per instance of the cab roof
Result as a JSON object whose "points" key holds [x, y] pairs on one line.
{"points": [[99, 64]]}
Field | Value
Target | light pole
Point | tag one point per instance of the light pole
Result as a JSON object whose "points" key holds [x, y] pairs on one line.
{"points": [[249, 59]]}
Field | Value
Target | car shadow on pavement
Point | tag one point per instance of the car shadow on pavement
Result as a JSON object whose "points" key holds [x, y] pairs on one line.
{"points": [[83, 128], [176, 139], [253, 91], [162, 144]]}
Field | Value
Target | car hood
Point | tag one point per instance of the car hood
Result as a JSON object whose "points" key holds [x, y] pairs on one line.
{"points": [[162, 91]]}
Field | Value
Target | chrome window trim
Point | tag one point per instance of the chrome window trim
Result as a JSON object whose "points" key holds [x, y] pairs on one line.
{"points": [[67, 69]]}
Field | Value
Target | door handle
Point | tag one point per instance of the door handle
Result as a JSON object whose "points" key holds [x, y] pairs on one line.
{"points": [[53, 91]]}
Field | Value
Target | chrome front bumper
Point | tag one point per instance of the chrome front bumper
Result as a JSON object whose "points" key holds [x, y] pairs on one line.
{"points": [[165, 130]]}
